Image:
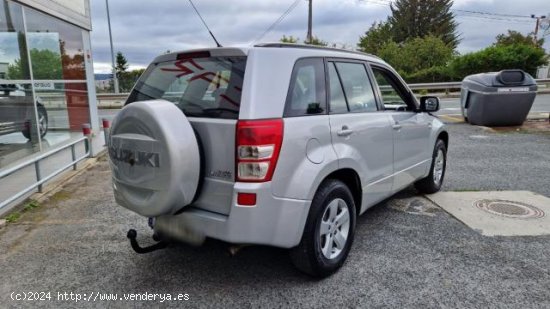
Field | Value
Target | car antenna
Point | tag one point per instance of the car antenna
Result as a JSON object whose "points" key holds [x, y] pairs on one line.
{"points": [[197, 11]]}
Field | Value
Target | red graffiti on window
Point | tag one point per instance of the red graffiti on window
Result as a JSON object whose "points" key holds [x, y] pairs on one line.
{"points": [[182, 69], [223, 96]]}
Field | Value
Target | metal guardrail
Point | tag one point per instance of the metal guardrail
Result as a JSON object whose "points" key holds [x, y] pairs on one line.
{"points": [[36, 161], [435, 86], [457, 85], [418, 86]]}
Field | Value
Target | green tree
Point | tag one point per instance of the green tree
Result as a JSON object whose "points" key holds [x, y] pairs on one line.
{"points": [[121, 65], [46, 64], [127, 80], [426, 52], [289, 39], [497, 58], [316, 41], [419, 59], [15, 70], [293, 40], [378, 35], [391, 52], [515, 37], [419, 18]]}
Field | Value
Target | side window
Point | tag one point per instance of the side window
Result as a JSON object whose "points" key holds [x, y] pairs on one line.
{"points": [[392, 97], [337, 104], [357, 87], [306, 94]]}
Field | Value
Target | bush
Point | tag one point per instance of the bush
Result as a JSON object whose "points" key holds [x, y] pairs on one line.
{"points": [[419, 59], [497, 58], [435, 74]]}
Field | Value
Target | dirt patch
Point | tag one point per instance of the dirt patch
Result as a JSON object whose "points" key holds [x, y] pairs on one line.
{"points": [[413, 206], [60, 196], [530, 126]]}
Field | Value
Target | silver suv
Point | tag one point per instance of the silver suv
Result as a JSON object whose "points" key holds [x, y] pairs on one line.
{"points": [[276, 144]]}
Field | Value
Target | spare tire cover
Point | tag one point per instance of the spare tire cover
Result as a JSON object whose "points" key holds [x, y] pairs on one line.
{"points": [[155, 158]]}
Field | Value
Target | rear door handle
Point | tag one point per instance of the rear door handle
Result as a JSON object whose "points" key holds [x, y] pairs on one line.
{"points": [[397, 127], [345, 131]]}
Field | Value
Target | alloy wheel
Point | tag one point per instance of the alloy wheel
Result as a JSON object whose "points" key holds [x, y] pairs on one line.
{"points": [[439, 166], [335, 227]]}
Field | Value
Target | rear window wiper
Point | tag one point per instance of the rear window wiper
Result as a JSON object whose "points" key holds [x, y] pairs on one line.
{"points": [[220, 109], [188, 114]]}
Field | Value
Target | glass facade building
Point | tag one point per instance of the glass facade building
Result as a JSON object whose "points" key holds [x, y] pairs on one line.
{"points": [[45, 75]]}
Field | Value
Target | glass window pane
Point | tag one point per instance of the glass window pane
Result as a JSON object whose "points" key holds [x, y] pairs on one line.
{"points": [[18, 123], [307, 91], [14, 62], [58, 67], [56, 48], [66, 108], [60, 104], [337, 98], [357, 87], [202, 87], [391, 97]]}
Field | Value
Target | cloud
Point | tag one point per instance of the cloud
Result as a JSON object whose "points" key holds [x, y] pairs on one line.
{"points": [[144, 29]]}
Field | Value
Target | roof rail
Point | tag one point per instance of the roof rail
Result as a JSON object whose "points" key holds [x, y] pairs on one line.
{"points": [[292, 45]]}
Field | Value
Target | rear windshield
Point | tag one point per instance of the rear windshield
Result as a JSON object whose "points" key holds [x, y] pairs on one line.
{"points": [[200, 87]]}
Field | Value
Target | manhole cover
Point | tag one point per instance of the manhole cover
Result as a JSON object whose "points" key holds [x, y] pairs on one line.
{"points": [[509, 209]]}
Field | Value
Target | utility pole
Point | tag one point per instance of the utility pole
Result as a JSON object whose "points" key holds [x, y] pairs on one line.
{"points": [[310, 23], [537, 25], [115, 78]]}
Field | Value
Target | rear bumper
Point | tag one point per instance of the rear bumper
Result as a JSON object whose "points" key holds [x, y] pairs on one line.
{"points": [[273, 221]]}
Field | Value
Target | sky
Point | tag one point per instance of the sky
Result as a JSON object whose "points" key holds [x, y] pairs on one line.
{"points": [[144, 29]]}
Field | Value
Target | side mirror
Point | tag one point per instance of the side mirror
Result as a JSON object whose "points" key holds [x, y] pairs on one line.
{"points": [[429, 104]]}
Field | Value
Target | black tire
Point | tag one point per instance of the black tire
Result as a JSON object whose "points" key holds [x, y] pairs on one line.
{"points": [[308, 256], [43, 122], [43, 113], [429, 184], [26, 131]]}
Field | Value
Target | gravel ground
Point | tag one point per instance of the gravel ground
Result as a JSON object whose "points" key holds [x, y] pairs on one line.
{"points": [[407, 252], [481, 160]]}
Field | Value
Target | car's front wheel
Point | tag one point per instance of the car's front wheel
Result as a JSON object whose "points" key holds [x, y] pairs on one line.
{"points": [[329, 231], [432, 183]]}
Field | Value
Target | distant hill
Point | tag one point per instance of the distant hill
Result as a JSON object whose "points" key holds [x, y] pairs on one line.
{"points": [[103, 76]]}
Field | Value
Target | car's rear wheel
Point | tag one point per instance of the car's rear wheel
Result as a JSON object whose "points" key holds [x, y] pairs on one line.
{"points": [[42, 123], [42, 120], [329, 231], [433, 182]]}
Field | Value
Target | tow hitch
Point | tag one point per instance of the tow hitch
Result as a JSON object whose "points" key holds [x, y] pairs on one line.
{"points": [[132, 234]]}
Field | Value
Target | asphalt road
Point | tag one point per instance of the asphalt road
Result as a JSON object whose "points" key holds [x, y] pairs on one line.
{"points": [[407, 252], [481, 160]]}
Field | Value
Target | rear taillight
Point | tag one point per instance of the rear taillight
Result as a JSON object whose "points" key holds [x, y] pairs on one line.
{"points": [[258, 146]]}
